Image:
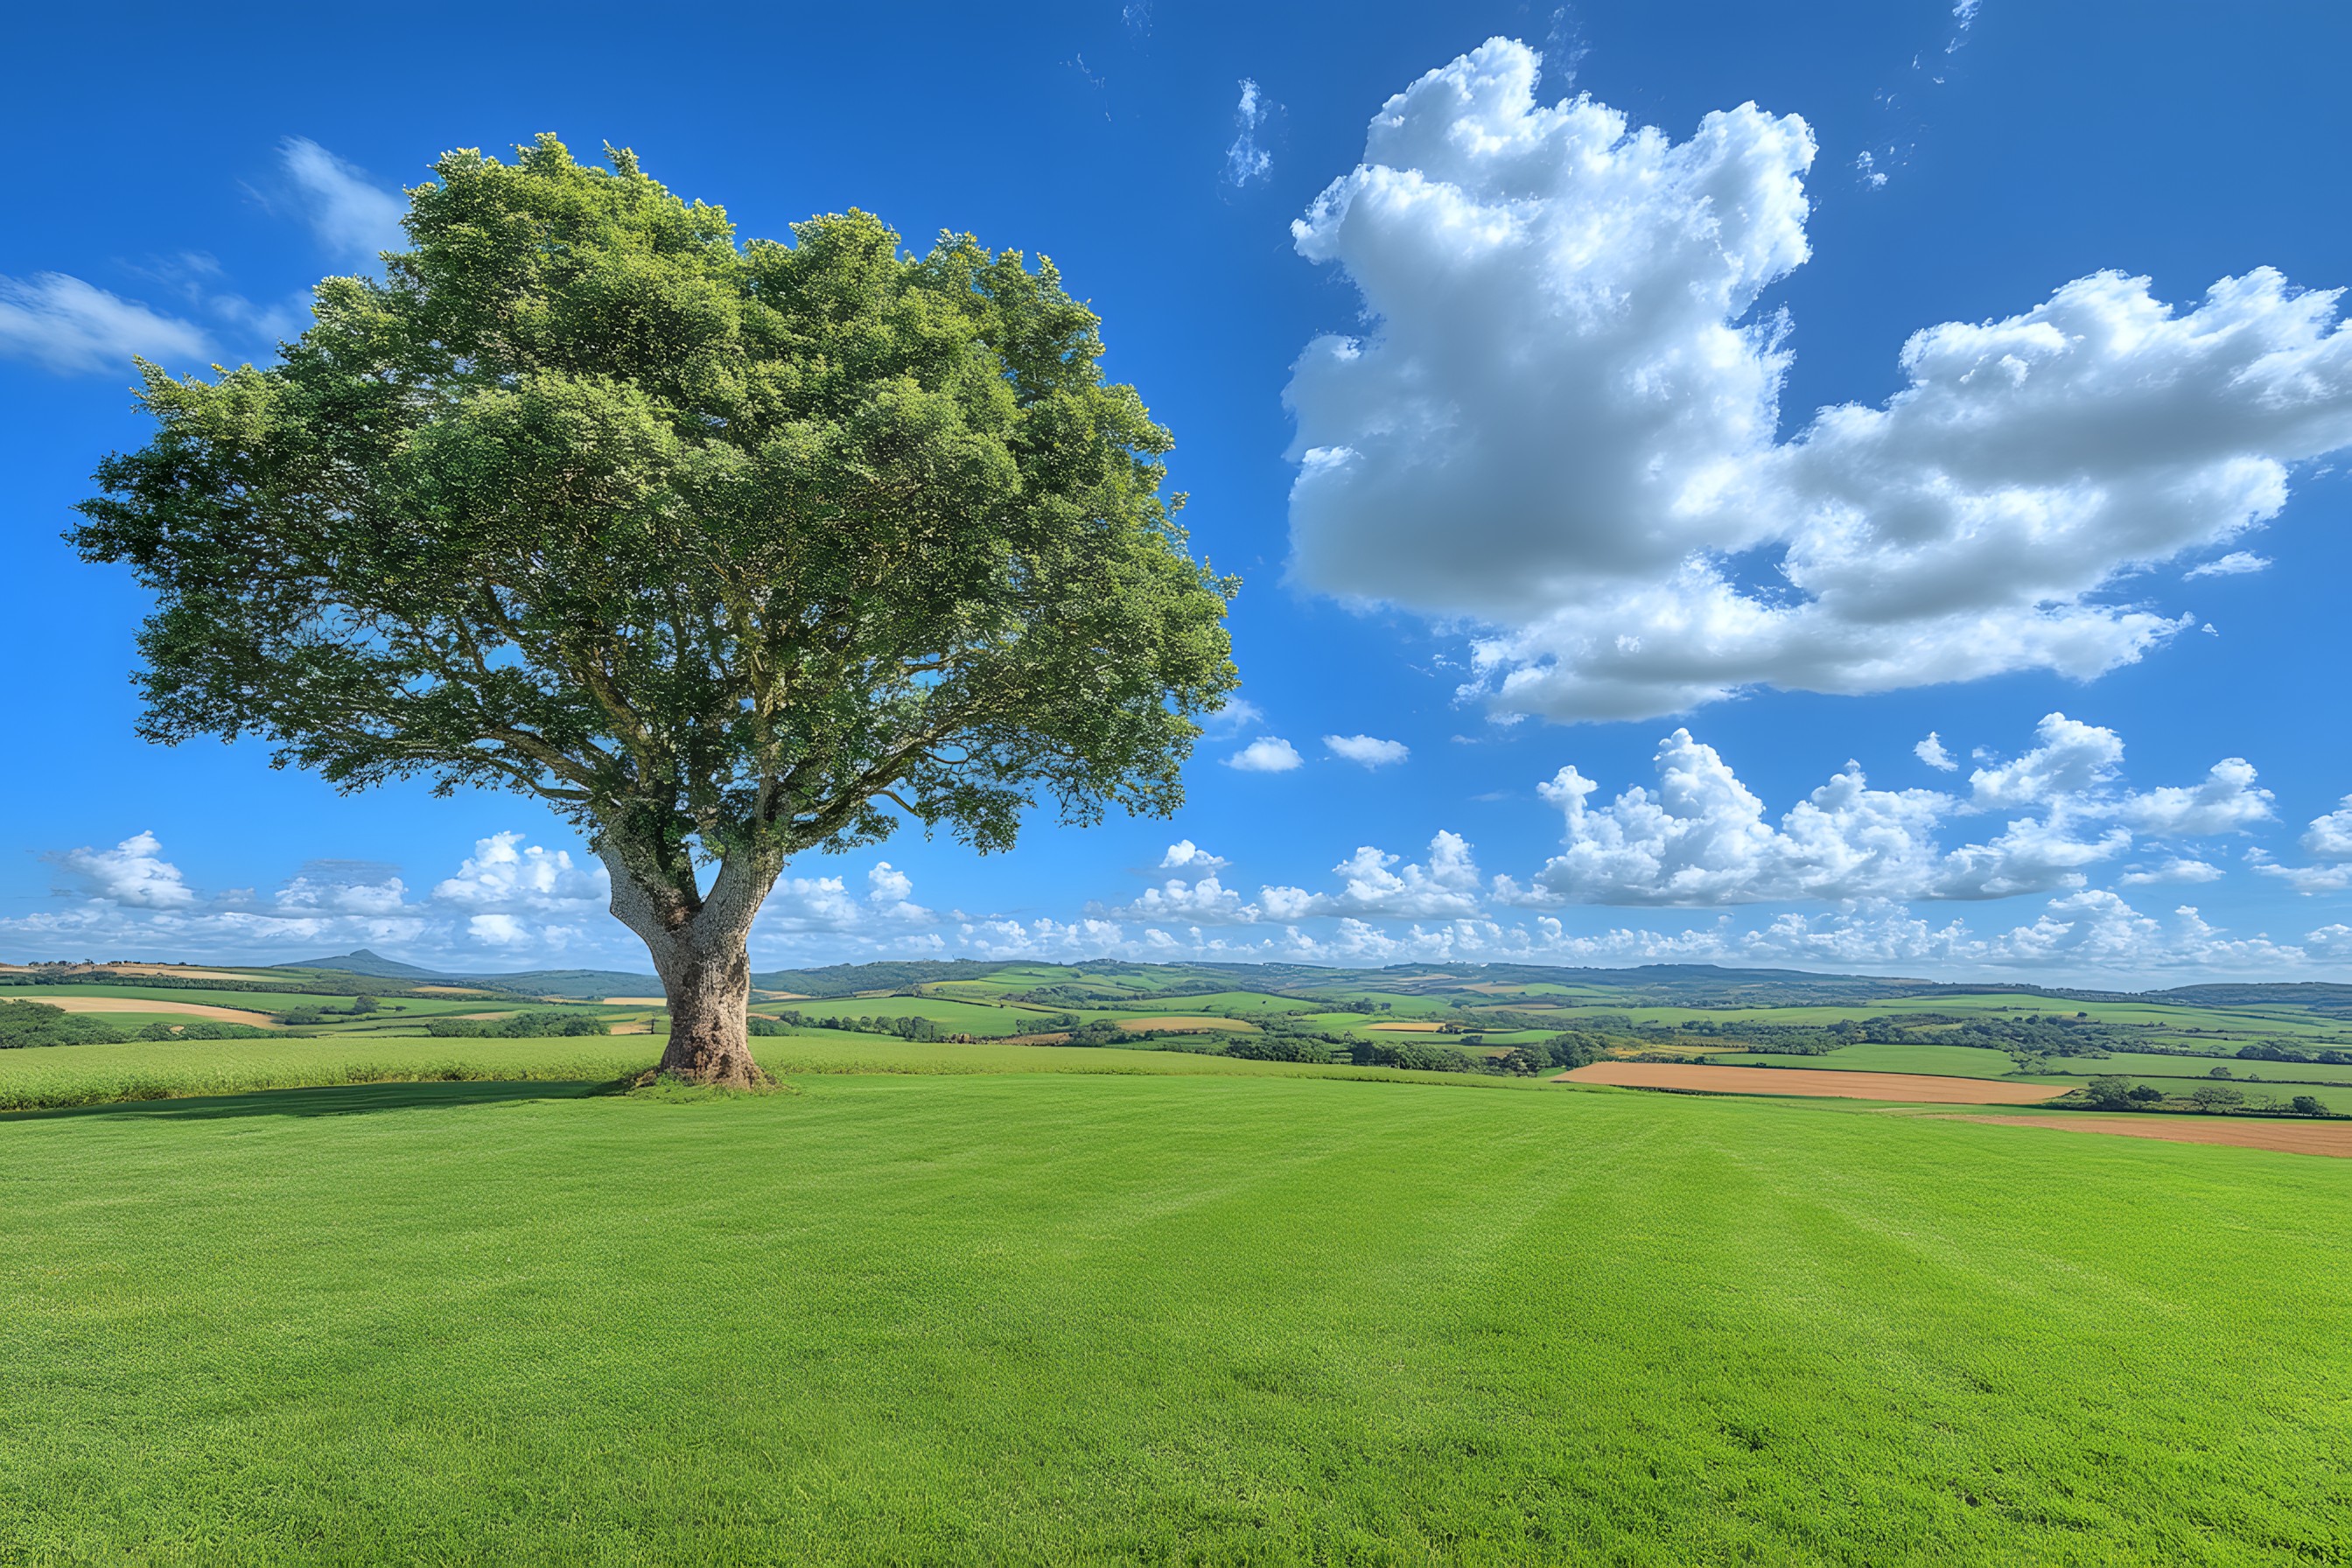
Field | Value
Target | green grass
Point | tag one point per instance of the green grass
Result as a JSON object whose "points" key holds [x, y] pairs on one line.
{"points": [[57, 1076], [987, 1318]]}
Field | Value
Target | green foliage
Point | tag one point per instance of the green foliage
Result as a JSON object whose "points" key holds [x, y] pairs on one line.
{"points": [[1418, 1058], [1276, 1048], [2308, 1105], [519, 1027], [38, 1023], [2109, 1093], [713, 546], [2218, 1096]]}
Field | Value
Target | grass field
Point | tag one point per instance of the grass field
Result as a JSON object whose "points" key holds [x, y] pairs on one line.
{"points": [[60, 1076], [982, 1319]]}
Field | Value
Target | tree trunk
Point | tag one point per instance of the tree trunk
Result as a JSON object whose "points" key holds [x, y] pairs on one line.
{"points": [[699, 948], [706, 975]]}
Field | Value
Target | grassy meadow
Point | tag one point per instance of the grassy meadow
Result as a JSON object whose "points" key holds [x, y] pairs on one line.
{"points": [[1033, 1317]]}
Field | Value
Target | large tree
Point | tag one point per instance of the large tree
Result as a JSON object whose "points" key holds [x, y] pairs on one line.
{"points": [[728, 551]]}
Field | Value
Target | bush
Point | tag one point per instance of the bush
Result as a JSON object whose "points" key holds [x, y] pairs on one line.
{"points": [[2146, 1094], [2307, 1105], [1423, 1059], [1274, 1048], [522, 1026], [38, 1024], [2216, 1096], [2109, 1093]]}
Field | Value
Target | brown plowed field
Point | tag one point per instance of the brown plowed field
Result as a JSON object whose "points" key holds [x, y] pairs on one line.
{"points": [[1913, 1089], [259, 1020], [2239, 1132]]}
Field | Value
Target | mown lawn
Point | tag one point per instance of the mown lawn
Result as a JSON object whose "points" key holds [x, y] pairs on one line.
{"points": [[1098, 1318]]}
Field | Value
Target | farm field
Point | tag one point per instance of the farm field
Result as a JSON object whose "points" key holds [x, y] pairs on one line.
{"points": [[2173, 1074], [62, 1076], [980, 1318], [1906, 1088], [2333, 1139]]}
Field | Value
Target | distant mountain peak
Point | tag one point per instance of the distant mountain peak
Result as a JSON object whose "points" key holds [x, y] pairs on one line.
{"points": [[363, 961]]}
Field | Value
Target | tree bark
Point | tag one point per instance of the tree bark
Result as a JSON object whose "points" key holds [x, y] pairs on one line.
{"points": [[700, 949]]}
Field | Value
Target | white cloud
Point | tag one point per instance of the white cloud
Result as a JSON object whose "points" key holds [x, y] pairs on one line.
{"points": [[1367, 750], [2235, 564], [2176, 869], [1377, 885], [352, 216], [1266, 754], [2072, 759], [1561, 427], [498, 931], [2228, 801], [66, 325], [1246, 160], [2304, 879], [1206, 902], [134, 873], [1702, 838], [323, 895], [1931, 752], [892, 892], [2329, 838], [1238, 714], [1186, 856], [503, 873], [1865, 165]]}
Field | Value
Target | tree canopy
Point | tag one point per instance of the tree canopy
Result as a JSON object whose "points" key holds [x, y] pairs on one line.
{"points": [[723, 549]]}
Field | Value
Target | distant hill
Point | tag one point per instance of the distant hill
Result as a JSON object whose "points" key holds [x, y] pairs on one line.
{"points": [[1678, 984], [365, 963]]}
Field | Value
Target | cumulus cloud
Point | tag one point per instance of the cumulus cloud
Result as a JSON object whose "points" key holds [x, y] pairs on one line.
{"points": [[1266, 754], [2072, 759], [2236, 563], [891, 892], [1246, 160], [1238, 714], [1206, 902], [1366, 751], [1186, 856], [2176, 869], [352, 216], [1560, 428], [2228, 801], [133, 874], [504, 873], [1703, 838], [2329, 838], [1931, 752], [1377, 885], [74, 328]]}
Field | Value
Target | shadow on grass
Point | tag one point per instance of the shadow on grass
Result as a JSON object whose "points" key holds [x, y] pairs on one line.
{"points": [[338, 1099]]}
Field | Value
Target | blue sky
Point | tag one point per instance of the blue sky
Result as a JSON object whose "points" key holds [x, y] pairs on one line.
{"points": [[1506, 408]]}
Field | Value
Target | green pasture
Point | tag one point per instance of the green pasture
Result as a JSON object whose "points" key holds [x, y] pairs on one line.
{"points": [[983, 1319], [956, 1018], [56, 1075]]}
